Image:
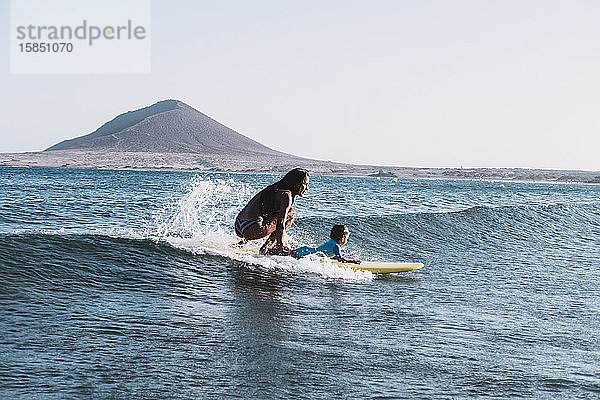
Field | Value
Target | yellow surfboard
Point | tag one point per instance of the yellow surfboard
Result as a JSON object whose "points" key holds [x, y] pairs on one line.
{"points": [[375, 267], [381, 267]]}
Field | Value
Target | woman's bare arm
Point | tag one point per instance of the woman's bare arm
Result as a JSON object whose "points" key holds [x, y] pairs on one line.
{"points": [[284, 199]]}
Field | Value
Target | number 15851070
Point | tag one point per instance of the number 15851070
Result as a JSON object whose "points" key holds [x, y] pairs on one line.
{"points": [[46, 47]]}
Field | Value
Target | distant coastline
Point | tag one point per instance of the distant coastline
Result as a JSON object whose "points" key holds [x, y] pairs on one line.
{"points": [[278, 165]]}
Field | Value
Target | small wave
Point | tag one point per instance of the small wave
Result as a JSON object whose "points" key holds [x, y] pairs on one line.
{"points": [[73, 262]]}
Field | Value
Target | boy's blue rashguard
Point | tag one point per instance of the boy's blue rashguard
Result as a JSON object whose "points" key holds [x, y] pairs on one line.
{"points": [[331, 248]]}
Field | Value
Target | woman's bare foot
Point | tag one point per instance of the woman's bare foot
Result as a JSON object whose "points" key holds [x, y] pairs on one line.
{"points": [[279, 251], [266, 248]]}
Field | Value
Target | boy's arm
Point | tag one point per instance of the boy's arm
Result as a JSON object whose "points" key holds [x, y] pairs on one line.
{"points": [[347, 260], [338, 256]]}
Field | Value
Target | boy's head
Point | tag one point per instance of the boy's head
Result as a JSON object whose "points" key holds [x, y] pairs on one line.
{"points": [[340, 233]]}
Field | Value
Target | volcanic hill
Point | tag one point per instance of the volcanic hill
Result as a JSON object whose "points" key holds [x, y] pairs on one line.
{"points": [[169, 126]]}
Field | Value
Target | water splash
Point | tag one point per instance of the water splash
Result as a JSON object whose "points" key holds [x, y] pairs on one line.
{"points": [[206, 212]]}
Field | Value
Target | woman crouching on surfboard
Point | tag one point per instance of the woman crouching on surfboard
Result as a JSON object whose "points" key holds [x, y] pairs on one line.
{"points": [[270, 212]]}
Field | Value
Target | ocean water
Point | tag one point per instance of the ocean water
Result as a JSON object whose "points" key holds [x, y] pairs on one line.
{"points": [[115, 284]]}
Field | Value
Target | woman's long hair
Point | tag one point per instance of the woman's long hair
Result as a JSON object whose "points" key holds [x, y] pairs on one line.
{"points": [[292, 181]]}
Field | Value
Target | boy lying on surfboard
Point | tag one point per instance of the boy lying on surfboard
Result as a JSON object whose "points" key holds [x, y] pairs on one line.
{"points": [[331, 248]]}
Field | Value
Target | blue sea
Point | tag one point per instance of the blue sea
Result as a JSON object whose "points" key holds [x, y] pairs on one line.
{"points": [[122, 284]]}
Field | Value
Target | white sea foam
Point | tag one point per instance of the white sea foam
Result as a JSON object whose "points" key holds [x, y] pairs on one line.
{"points": [[118, 233]]}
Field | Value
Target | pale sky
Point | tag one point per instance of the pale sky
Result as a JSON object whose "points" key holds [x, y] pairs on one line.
{"points": [[494, 83]]}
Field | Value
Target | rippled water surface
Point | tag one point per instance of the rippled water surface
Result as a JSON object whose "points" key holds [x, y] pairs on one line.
{"points": [[115, 284]]}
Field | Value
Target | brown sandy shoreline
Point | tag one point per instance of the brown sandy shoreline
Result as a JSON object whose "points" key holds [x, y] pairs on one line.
{"points": [[262, 164]]}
